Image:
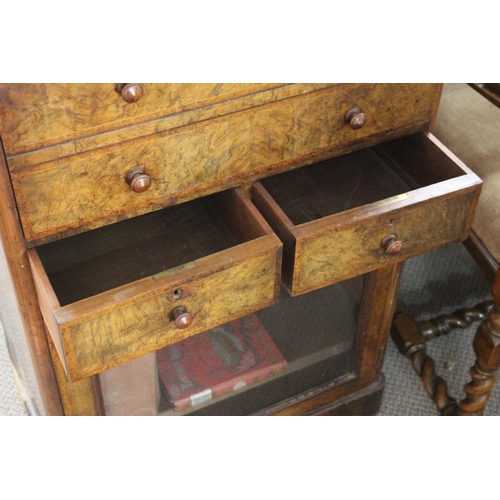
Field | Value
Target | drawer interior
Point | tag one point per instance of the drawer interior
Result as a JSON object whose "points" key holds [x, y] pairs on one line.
{"points": [[358, 179], [89, 263]]}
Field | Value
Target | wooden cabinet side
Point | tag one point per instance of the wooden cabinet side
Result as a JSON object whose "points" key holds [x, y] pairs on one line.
{"points": [[18, 270]]}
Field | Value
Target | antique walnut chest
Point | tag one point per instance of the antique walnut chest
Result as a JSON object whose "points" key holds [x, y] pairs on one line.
{"points": [[137, 216]]}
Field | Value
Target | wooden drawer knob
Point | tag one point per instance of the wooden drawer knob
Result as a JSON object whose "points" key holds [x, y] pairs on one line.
{"points": [[391, 244], [130, 92], [182, 318], [139, 181], [355, 118]]}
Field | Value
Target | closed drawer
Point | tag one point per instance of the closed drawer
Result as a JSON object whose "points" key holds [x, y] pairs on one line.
{"points": [[88, 190], [39, 114], [118, 292], [356, 213]]}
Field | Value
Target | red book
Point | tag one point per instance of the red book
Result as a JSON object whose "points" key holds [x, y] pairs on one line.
{"points": [[219, 361]]}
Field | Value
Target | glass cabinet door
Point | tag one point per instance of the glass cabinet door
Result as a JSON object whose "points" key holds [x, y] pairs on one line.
{"points": [[247, 365]]}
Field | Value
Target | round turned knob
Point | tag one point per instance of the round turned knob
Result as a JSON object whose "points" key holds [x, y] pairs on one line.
{"points": [[355, 118], [139, 181], [182, 318], [391, 244], [130, 92]]}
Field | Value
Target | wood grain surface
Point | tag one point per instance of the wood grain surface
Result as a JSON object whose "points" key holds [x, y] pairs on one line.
{"points": [[342, 245], [70, 146], [128, 321], [102, 338], [89, 190], [36, 115], [160, 124], [349, 249], [80, 398]]}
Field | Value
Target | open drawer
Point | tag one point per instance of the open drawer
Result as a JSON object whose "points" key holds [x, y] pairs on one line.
{"points": [[356, 213], [121, 291]]}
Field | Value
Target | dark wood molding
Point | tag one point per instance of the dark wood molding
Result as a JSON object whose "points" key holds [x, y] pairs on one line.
{"points": [[483, 258], [489, 90], [365, 402]]}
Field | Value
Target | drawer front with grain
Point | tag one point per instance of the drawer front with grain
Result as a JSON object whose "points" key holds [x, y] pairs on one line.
{"points": [[88, 190], [39, 115], [368, 209], [167, 276]]}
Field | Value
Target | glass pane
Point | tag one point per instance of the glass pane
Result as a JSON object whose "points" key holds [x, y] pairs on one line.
{"points": [[258, 361]]}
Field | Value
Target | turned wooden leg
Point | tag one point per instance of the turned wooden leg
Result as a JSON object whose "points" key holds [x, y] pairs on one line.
{"points": [[462, 318], [484, 373], [410, 341], [410, 338]]}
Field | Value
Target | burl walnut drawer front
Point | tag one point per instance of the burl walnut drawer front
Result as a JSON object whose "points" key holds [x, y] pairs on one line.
{"points": [[40, 114], [358, 212], [91, 189], [122, 291]]}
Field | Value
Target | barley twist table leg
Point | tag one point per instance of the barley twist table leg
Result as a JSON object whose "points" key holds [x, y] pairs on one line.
{"points": [[410, 341], [484, 373], [410, 337], [462, 318]]}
